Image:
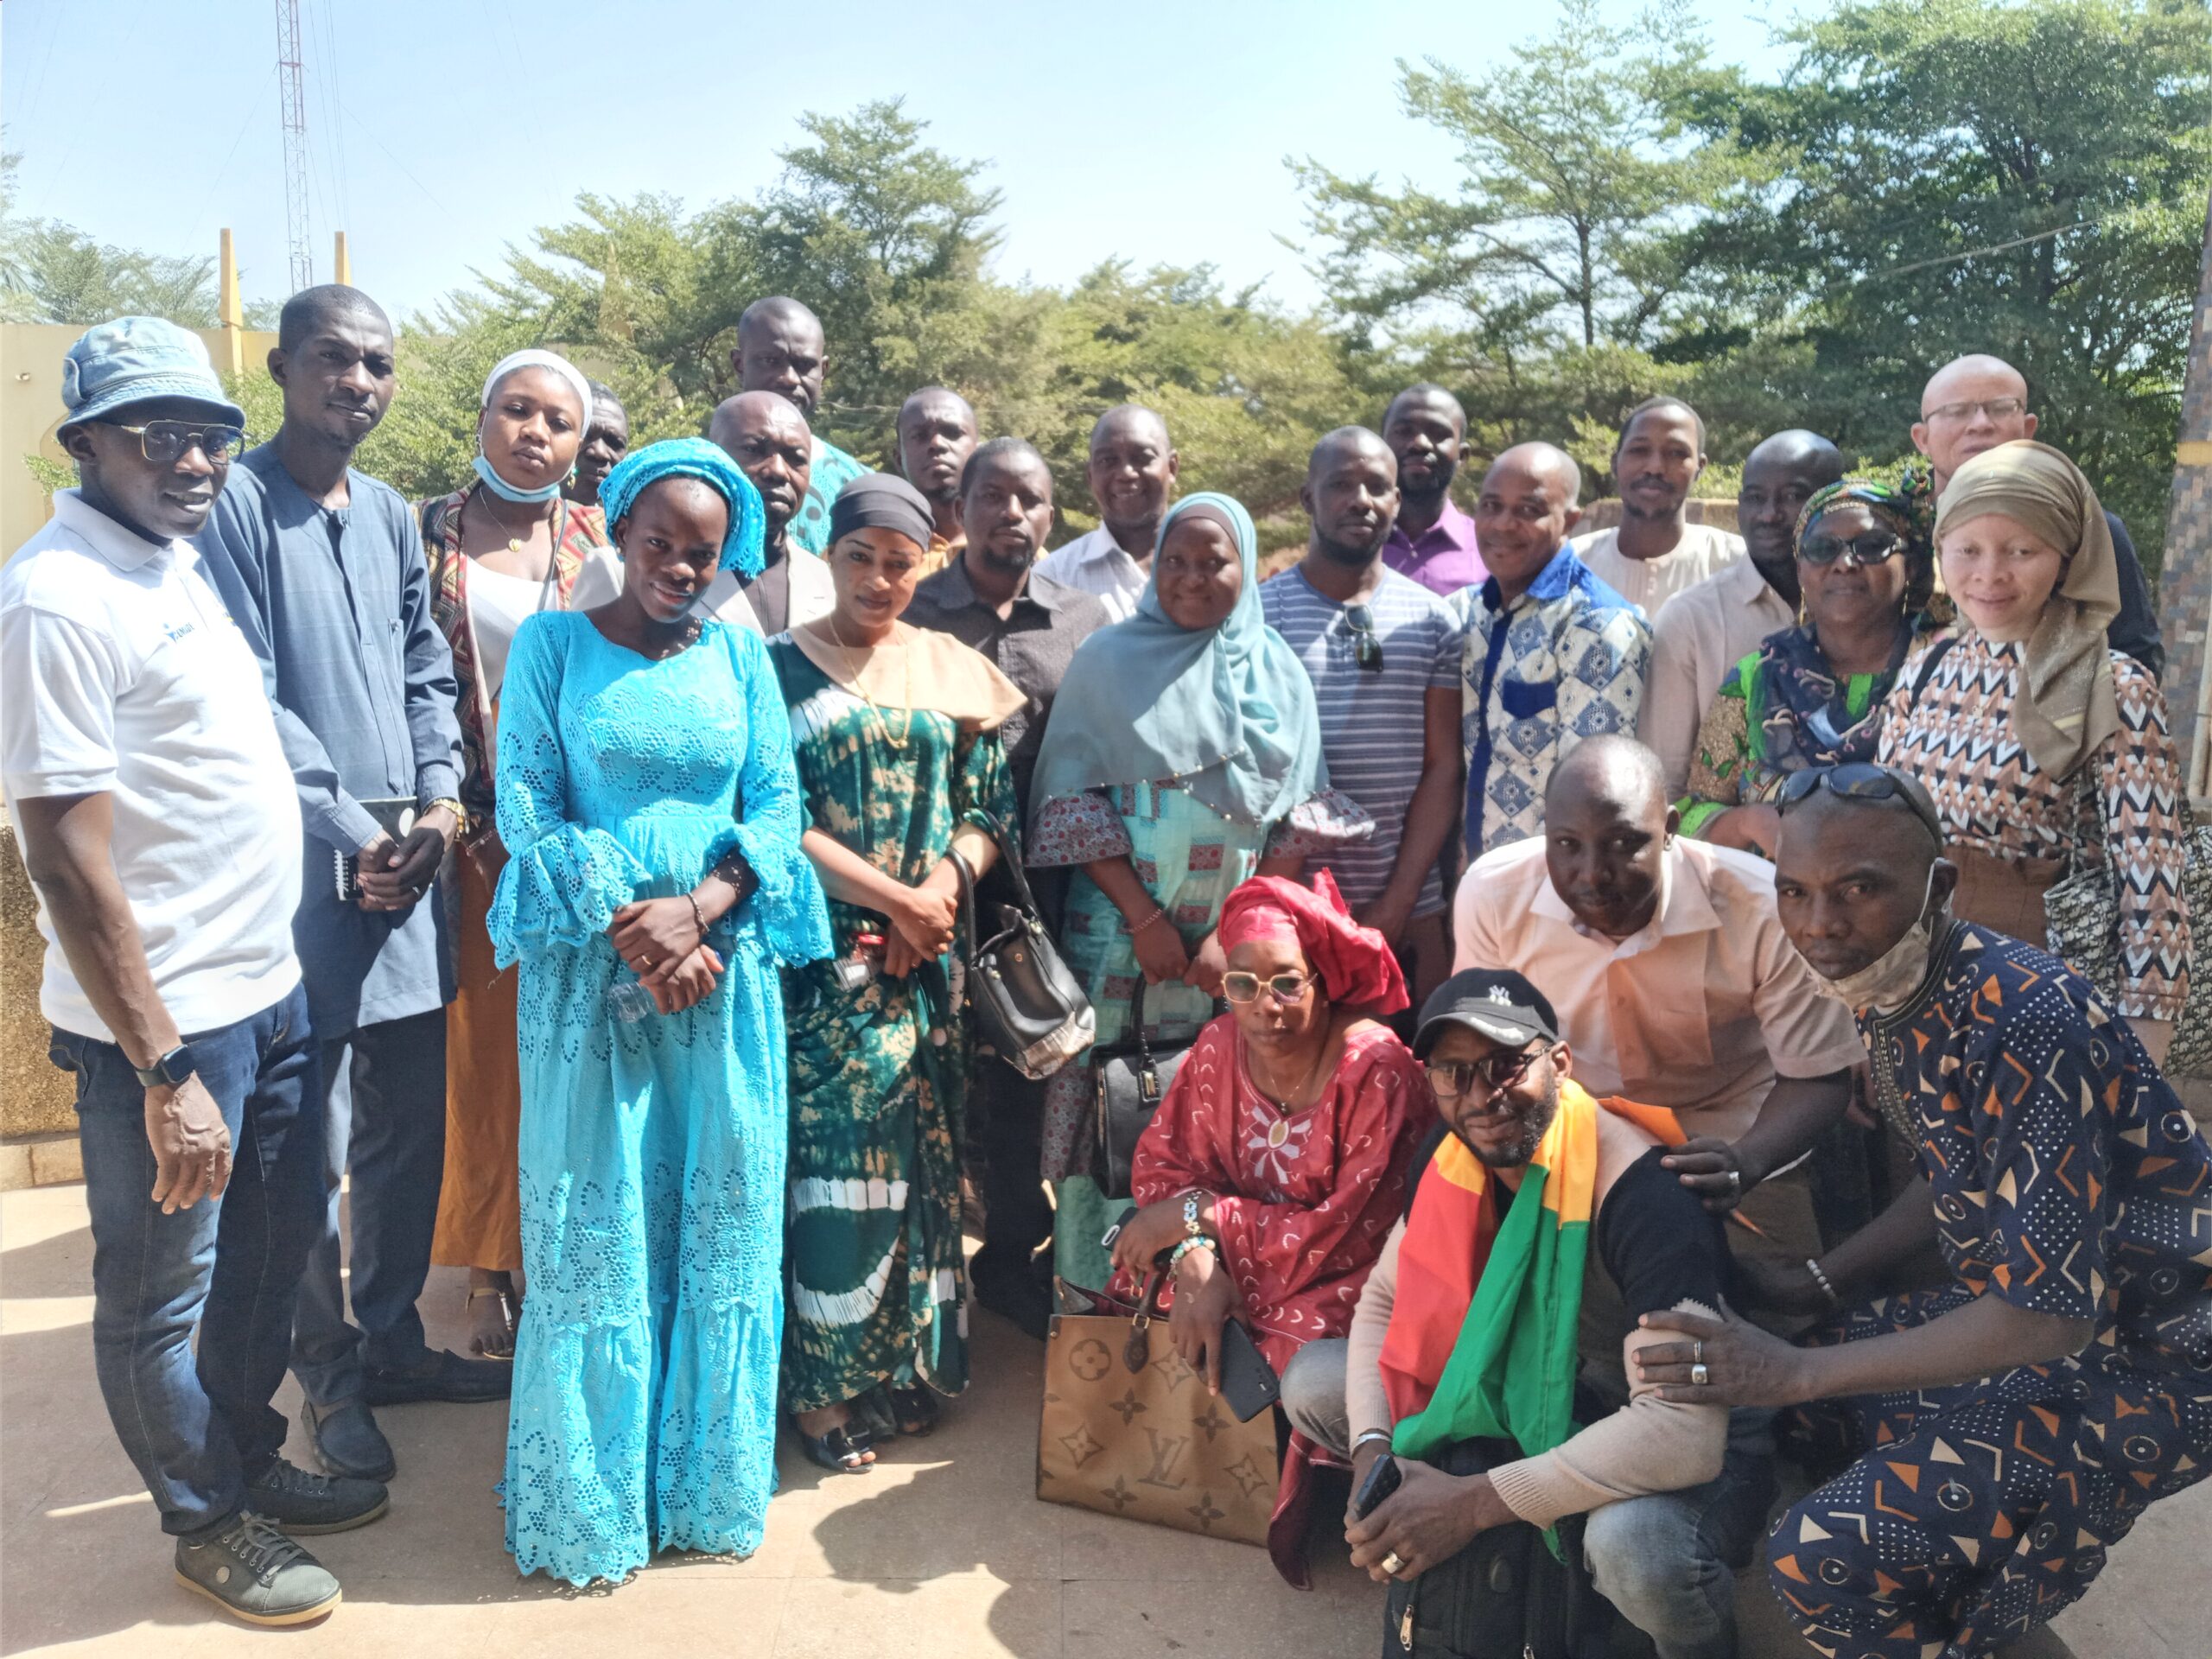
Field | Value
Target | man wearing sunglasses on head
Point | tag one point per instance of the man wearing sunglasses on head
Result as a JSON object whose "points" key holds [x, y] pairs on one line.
{"points": [[146, 777], [1973, 403], [1383, 654], [1535, 1190]]}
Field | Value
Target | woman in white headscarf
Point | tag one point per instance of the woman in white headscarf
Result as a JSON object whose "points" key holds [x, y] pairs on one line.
{"points": [[500, 550]]}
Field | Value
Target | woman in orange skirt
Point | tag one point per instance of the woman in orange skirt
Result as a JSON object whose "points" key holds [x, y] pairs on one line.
{"points": [[503, 548]]}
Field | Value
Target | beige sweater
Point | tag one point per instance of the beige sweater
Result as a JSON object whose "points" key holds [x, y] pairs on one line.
{"points": [[1648, 1445]]}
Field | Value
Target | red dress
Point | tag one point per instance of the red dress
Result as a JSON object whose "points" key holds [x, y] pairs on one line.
{"points": [[1303, 1201]]}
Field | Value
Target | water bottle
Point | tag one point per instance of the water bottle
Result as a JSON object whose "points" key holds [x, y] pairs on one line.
{"points": [[628, 1000]]}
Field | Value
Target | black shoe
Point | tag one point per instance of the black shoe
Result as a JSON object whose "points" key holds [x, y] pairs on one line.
{"points": [[255, 1573], [1014, 1295], [346, 1442], [297, 1502], [441, 1375]]}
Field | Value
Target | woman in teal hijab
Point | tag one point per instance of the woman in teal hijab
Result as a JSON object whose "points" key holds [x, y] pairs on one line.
{"points": [[1183, 757]]}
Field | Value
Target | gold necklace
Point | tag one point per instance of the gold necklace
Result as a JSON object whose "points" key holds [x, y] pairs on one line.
{"points": [[1288, 1103], [906, 727]]}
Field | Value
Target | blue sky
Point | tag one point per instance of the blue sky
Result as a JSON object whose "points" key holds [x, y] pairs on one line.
{"points": [[441, 129]]}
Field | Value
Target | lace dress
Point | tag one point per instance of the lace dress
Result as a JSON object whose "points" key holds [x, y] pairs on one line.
{"points": [[652, 1153]]}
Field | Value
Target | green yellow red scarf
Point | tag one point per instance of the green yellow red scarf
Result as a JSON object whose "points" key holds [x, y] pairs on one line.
{"points": [[1482, 1337]]}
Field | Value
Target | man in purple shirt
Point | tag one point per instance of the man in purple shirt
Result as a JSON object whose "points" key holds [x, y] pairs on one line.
{"points": [[1434, 542]]}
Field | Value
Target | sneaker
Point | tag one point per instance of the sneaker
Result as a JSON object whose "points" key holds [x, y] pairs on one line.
{"points": [[297, 1502], [255, 1573], [440, 1375]]}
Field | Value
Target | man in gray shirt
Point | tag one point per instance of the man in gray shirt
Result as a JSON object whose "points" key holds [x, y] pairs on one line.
{"points": [[323, 569]]}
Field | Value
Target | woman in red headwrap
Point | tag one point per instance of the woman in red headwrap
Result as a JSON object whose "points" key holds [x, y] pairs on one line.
{"points": [[1277, 1164]]}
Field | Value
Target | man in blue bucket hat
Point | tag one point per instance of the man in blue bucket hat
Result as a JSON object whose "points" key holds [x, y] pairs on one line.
{"points": [[143, 772]]}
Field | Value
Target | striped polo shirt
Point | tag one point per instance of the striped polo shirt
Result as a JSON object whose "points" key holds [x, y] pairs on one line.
{"points": [[1372, 719]]}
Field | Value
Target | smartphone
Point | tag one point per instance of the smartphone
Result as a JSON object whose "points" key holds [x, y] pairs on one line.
{"points": [[1383, 1479], [1248, 1383], [1114, 1231]]}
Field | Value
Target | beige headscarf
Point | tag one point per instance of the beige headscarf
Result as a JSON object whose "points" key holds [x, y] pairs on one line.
{"points": [[2066, 706], [916, 668]]}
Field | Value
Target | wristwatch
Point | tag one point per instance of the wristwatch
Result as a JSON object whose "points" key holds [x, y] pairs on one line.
{"points": [[170, 1069]]}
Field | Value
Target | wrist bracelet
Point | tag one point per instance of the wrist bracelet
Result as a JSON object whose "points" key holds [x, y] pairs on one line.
{"points": [[460, 814], [1158, 914], [1175, 1257], [1192, 1225], [1381, 1435], [698, 919], [1822, 1279]]}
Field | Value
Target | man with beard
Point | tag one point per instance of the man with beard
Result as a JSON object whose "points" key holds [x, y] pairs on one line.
{"points": [[936, 434], [322, 567], [1674, 981], [1552, 655], [1712, 627], [2011, 1423], [767, 438], [781, 349], [1976, 402], [1383, 654], [1132, 469], [1671, 1497], [991, 599], [1433, 541], [1655, 552], [606, 439]]}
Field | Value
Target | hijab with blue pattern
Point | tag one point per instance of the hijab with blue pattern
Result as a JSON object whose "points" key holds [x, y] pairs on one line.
{"points": [[692, 458]]}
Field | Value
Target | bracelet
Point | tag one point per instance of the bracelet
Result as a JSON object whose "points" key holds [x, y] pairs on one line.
{"points": [[1822, 1279], [1158, 914], [1191, 1224], [1381, 1435], [460, 814], [697, 919], [1198, 1242]]}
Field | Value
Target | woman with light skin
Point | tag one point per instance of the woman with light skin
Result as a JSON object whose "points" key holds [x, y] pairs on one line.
{"points": [[2045, 750], [505, 548], [900, 767]]}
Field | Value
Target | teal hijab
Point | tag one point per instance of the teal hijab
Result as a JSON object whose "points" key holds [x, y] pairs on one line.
{"points": [[1227, 711]]}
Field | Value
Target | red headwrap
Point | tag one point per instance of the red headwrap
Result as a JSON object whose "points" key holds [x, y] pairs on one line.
{"points": [[1354, 963]]}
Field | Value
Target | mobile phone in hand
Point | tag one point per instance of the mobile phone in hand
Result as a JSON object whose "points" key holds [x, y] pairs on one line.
{"points": [[1383, 1479], [1248, 1383], [1114, 1231]]}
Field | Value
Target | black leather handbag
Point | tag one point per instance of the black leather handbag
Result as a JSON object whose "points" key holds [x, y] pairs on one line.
{"points": [[1030, 1008], [1130, 1078]]}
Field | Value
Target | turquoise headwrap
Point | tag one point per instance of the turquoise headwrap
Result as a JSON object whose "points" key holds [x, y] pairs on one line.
{"points": [[1227, 711], [692, 458]]}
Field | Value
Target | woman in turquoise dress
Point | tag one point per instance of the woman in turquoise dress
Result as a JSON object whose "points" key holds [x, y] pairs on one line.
{"points": [[1184, 756], [896, 730], [655, 882]]}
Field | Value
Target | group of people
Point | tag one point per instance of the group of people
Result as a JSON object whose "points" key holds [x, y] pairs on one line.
{"points": [[1612, 967]]}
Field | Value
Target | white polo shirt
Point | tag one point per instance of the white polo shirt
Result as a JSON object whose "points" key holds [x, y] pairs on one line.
{"points": [[121, 671]]}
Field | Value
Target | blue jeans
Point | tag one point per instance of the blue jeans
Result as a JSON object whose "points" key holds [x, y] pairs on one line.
{"points": [[385, 1119], [200, 1430]]}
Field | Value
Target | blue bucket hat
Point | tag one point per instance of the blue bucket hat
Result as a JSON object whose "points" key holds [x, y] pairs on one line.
{"points": [[134, 360]]}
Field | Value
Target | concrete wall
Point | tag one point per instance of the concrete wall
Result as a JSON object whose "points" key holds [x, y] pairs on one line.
{"points": [[35, 1097]]}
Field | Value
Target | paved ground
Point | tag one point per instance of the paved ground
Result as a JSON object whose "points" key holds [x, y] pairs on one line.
{"points": [[942, 1551]]}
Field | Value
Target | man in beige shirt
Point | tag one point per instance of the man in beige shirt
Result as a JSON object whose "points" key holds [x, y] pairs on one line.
{"points": [[1655, 552], [1715, 625], [1674, 981]]}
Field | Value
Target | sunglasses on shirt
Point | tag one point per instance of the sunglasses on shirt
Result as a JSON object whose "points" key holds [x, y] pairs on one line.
{"points": [[1366, 644], [1862, 780]]}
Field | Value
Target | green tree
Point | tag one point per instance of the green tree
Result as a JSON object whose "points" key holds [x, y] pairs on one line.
{"points": [[2027, 178]]}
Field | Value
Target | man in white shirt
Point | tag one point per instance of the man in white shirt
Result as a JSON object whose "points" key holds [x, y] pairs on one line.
{"points": [[1712, 627], [161, 830], [1655, 552], [1133, 469]]}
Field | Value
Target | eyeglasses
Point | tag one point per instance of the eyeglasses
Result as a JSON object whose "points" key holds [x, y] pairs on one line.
{"points": [[1862, 780], [163, 442], [1451, 1079], [1875, 547], [1998, 408], [1366, 647], [1240, 986]]}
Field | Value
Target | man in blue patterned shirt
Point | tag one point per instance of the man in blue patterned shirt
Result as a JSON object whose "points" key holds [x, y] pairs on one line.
{"points": [[1552, 655]]}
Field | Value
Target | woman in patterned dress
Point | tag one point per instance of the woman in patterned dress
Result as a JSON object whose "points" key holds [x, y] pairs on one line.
{"points": [[896, 731], [2044, 749], [505, 548], [1184, 756]]}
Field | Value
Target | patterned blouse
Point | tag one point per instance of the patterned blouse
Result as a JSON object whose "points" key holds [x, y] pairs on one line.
{"points": [[2122, 806]]}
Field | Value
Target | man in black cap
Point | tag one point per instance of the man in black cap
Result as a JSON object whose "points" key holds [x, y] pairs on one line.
{"points": [[1672, 1496]]}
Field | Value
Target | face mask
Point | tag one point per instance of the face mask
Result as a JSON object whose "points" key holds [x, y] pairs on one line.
{"points": [[506, 492], [1896, 973]]}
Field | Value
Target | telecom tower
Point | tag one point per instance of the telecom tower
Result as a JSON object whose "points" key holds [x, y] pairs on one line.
{"points": [[293, 108]]}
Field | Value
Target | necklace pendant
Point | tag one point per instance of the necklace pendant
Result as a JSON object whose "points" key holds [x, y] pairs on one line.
{"points": [[1278, 1132]]}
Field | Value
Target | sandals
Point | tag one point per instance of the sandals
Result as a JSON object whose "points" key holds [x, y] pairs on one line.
{"points": [[507, 1350], [915, 1409], [843, 1451]]}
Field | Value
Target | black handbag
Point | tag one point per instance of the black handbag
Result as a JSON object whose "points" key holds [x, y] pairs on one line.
{"points": [[1505, 1593], [1130, 1078], [1030, 1008]]}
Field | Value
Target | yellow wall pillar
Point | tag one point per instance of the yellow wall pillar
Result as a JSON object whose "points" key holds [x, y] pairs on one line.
{"points": [[341, 266], [230, 310]]}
